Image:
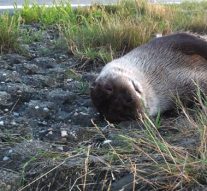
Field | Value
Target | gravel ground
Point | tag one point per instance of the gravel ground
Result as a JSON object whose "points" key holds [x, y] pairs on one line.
{"points": [[43, 99]]}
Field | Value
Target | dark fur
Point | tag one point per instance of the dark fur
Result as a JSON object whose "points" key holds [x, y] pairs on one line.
{"points": [[165, 67]]}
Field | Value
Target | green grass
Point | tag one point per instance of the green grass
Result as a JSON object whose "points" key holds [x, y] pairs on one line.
{"points": [[102, 33], [44, 15], [9, 32]]}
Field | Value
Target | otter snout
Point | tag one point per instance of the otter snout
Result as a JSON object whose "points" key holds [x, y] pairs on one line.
{"points": [[116, 99]]}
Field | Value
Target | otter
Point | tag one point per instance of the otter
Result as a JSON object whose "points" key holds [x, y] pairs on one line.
{"points": [[148, 78]]}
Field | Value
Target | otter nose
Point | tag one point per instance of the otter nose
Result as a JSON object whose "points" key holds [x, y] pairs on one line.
{"points": [[108, 88], [104, 87]]}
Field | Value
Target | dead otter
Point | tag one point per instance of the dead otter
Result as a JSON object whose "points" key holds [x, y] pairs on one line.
{"points": [[149, 77]]}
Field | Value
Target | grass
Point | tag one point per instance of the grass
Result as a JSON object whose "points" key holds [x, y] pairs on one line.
{"points": [[102, 33], [138, 158], [9, 33]]}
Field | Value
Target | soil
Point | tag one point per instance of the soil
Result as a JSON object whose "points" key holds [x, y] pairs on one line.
{"points": [[48, 123]]}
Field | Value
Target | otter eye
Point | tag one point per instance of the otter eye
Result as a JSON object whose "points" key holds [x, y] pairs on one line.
{"points": [[136, 87]]}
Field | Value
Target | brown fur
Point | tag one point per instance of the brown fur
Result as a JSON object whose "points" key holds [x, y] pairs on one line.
{"points": [[148, 78]]}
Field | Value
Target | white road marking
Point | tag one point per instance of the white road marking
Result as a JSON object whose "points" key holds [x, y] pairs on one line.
{"points": [[21, 6]]}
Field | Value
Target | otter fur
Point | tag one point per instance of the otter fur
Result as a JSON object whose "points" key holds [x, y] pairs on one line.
{"points": [[148, 78]]}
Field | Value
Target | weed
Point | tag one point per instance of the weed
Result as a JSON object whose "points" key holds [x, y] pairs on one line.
{"points": [[9, 32], [29, 36]]}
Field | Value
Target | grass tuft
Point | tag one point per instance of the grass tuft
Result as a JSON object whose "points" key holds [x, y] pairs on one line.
{"points": [[9, 31]]}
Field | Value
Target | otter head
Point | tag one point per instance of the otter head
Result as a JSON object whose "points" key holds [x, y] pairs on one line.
{"points": [[117, 98]]}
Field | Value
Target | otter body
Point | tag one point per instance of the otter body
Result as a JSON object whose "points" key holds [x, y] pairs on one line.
{"points": [[148, 78]]}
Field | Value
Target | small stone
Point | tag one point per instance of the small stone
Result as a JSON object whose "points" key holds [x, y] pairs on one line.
{"points": [[107, 142], [2, 82], [69, 80], [1, 123], [10, 151], [37, 107], [4, 98], [83, 113], [60, 96], [4, 74], [19, 91], [5, 158], [158, 35], [30, 68], [73, 133], [44, 122], [46, 109], [64, 133], [76, 114], [13, 123], [6, 110], [45, 62], [60, 148], [15, 114]]}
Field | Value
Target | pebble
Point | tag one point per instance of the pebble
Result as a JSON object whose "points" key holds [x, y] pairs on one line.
{"points": [[69, 80], [15, 114], [5, 158], [37, 107], [1, 123], [83, 113], [10, 151], [73, 133], [13, 123], [75, 114], [64, 133], [107, 142], [46, 109]]}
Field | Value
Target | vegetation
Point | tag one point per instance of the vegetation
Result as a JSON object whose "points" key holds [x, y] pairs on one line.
{"points": [[101, 33], [153, 156], [9, 33]]}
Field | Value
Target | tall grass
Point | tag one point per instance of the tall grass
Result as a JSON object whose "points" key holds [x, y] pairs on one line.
{"points": [[45, 15], [106, 32], [9, 32]]}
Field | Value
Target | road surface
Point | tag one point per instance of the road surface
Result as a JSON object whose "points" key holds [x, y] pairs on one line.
{"points": [[75, 2], [49, 2]]}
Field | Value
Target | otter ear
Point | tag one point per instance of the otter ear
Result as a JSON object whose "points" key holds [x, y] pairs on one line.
{"points": [[137, 86]]}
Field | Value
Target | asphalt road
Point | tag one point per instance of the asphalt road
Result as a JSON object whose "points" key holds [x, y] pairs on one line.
{"points": [[49, 2]]}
